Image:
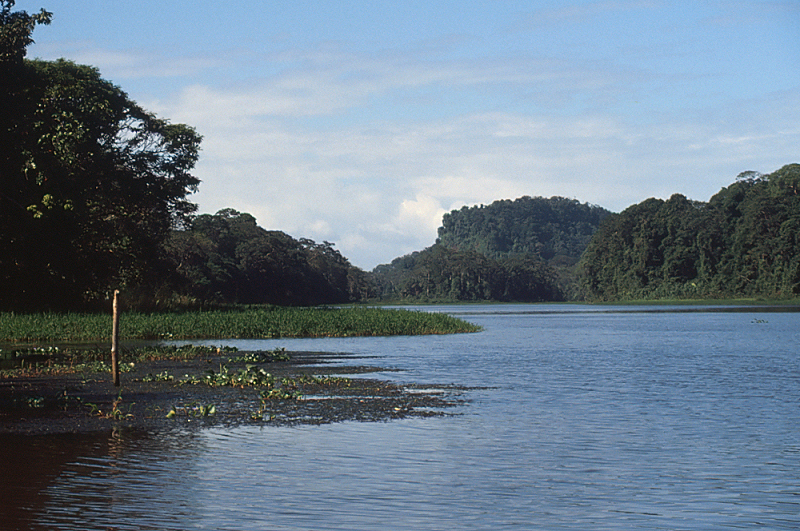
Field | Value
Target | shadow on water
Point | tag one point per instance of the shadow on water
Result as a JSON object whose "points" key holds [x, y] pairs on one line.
{"points": [[32, 464]]}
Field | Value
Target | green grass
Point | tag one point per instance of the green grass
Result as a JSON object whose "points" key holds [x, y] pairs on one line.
{"points": [[249, 323]]}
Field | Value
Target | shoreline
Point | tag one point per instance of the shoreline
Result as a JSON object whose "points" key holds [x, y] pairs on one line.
{"points": [[147, 399]]}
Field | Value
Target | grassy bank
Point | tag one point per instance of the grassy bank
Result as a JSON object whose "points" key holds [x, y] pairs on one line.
{"points": [[250, 323]]}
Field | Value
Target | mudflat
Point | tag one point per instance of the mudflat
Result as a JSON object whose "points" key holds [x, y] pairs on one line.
{"points": [[314, 388]]}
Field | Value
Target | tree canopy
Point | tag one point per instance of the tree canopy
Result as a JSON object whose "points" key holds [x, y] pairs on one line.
{"points": [[228, 258], [745, 242], [16, 30], [520, 250], [90, 183], [441, 273], [554, 229]]}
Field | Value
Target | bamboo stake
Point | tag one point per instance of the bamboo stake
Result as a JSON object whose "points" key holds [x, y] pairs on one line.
{"points": [[115, 342]]}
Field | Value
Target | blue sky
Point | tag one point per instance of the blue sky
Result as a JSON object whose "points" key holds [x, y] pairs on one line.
{"points": [[362, 122]]}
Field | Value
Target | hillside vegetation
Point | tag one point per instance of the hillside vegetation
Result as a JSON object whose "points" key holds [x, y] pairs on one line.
{"points": [[523, 250], [228, 258], [744, 242]]}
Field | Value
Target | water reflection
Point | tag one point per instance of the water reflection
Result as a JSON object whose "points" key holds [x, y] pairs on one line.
{"points": [[114, 480]]}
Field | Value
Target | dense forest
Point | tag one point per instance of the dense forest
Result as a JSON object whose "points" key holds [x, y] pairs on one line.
{"points": [[228, 258], [521, 250], [557, 229], [440, 273], [744, 242]]}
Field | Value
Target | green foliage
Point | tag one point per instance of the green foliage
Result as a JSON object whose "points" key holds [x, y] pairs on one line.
{"points": [[254, 323], [192, 410], [228, 258], [250, 376], [522, 250], [41, 361], [16, 29], [262, 356], [443, 274], [101, 185], [743, 243], [556, 230], [91, 182]]}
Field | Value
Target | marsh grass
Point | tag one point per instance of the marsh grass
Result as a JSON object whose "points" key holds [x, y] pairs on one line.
{"points": [[246, 323]]}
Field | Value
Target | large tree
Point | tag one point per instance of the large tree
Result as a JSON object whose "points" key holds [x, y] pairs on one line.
{"points": [[90, 183], [16, 28]]}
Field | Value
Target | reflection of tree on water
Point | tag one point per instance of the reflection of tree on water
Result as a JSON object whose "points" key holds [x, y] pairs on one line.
{"points": [[46, 478], [30, 465]]}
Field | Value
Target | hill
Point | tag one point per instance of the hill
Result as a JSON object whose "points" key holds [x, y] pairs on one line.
{"points": [[520, 250], [744, 242]]}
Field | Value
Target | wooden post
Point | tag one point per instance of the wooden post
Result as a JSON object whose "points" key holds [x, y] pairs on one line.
{"points": [[115, 342]]}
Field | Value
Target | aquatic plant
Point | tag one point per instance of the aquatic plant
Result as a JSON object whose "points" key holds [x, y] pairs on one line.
{"points": [[255, 323], [163, 376], [193, 410], [262, 356], [252, 375], [115, 413]]}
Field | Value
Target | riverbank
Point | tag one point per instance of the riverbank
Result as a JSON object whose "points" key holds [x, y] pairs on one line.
{"points": [[214, 389]]}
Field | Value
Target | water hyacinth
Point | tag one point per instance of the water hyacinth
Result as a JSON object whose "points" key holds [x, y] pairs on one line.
{"points": [[245, 323]]}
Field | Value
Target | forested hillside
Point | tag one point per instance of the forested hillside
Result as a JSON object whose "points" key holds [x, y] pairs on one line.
{"points": [[227, 258], [556, 230], [745, 242], [521, 250], [439, 273]]}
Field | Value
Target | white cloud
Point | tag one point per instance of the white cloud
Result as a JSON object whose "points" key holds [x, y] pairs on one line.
{"points": [[369, 151], [379, 190]]}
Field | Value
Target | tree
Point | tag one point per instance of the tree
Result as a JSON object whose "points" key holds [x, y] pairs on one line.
{"points": [[90, 183], [441, 273], [228, 258], [743, 242], [16, 29]]}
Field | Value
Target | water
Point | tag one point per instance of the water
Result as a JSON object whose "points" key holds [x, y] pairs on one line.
{"points": [[582, 418]]}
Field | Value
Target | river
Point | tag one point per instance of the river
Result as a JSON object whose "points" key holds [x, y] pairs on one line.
{"points": [[641, 417]]}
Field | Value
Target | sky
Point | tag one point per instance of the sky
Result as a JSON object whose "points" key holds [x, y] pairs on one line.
{"points": [[362, 122]]}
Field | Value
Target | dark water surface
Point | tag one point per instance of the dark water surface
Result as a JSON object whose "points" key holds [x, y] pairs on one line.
{"points": [[586, 418]]}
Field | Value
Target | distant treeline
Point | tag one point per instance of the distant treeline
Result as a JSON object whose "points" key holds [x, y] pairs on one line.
{"points": [[227, 258], [745, 242], [523, 250]]}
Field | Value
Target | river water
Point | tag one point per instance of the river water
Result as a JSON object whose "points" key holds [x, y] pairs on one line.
{"points": [[579, 418]]}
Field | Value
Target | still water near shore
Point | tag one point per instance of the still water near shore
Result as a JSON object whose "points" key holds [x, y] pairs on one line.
{"points": [[578, 418]]}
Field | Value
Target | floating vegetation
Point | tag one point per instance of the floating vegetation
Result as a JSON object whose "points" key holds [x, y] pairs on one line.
{"points": [[163, 376], [175, 352], [116, 411], [252, 375], [262, 356], [53, 367], [253, 323], [51, 360], [193, 410]]}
